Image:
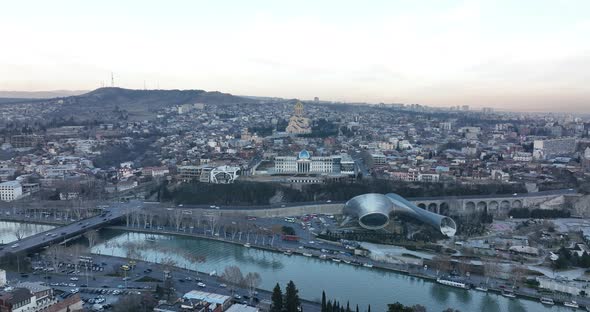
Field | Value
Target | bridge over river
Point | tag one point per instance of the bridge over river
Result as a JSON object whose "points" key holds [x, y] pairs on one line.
{"points": [[60, 234]]}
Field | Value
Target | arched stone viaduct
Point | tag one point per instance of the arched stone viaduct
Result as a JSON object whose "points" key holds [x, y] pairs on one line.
{"points": [[493, 204]]}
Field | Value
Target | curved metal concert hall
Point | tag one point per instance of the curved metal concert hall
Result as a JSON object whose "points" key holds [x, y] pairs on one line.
{"points": [[374, 211]]}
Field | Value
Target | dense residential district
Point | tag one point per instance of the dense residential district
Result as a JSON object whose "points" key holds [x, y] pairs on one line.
{"points": [[154, 200]]}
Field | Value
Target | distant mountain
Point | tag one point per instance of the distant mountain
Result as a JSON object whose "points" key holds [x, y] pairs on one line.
{"points": [[40, 94], [136, 104]]}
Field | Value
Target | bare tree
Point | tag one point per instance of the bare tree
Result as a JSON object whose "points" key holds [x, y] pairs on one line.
{"points": [[92, 237], [77, 211], [177, 218], [213, 220], [441, 263], [151, 218], [168, 262], [19, 232], [463, 267], [128, 211], [252, 281], [518, 272], [74, 252], [491, 269], [233, 276], [275, 230], [56, 253]]}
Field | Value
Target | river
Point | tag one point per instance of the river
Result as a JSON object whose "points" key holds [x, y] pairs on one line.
{"points": [[359, 285]]}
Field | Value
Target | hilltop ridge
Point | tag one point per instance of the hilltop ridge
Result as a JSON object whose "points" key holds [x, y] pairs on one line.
{"points": [[138, 104]]}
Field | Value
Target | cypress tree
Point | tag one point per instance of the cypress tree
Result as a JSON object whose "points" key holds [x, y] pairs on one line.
{"points": [[369, 309], [329, 307], [277, 299], [291, 297], [357, 308], [324, 301]]}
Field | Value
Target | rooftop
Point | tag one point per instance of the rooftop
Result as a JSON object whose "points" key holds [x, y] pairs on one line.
{"points": [[206, 296], [241, 308], [10, 183]]}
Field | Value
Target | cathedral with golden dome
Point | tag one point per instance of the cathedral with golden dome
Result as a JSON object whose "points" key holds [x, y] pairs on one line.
{"points": [[299, 124]]}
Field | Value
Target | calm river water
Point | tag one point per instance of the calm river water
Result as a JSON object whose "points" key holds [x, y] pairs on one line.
{"points": [[359, 285], [8, 230]]}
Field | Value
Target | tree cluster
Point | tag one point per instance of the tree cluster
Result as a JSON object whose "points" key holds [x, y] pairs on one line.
{"points": [[239, 193], [288, 230], [471, 225], [322, 128], [569, 259], [398, 307], [116, 154], [335, 306], [288, 302], [234, 277]]}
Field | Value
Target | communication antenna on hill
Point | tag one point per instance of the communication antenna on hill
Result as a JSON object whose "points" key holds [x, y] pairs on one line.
{"points": [[112, 80]]}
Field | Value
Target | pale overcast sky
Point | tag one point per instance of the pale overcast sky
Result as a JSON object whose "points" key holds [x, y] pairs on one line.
{"points": [[529, 55]]}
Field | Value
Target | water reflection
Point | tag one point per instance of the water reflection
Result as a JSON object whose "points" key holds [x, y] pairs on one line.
{"points": [[489, 304], [440, 293], [515, 306], [463, 296]]}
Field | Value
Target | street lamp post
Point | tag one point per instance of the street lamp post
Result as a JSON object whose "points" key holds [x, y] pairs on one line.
{"points": [[86, 266]]}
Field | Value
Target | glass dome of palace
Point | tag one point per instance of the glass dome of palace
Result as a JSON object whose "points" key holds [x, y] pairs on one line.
{"points": [[304, 155]]}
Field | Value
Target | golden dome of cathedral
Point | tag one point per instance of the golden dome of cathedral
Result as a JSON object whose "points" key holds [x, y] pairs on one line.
{"points": [[298, 108]]}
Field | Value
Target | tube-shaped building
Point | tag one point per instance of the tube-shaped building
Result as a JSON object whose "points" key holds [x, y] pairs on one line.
{"points": [[374, 211]]}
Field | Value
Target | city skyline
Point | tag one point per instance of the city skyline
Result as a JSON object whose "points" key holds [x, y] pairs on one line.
{"points": [[509, 56]]}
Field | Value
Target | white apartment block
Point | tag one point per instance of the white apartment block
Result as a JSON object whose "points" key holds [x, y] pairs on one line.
{"points": [[546, 149], [10, 191]]}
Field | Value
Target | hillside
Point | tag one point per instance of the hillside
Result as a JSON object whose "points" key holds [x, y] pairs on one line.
{"points": [[136, 104]]}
